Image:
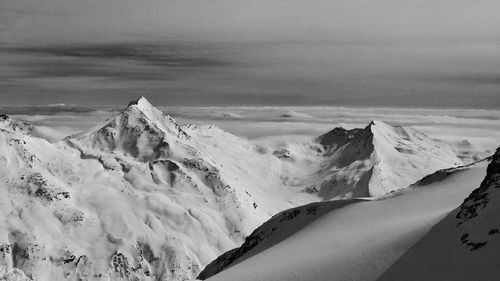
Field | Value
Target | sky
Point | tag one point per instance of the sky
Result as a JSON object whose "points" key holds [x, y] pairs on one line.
{"points": [[436, 53]]}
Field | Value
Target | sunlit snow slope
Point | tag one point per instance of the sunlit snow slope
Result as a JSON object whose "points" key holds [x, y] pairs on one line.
{"points": [[350, 240]]}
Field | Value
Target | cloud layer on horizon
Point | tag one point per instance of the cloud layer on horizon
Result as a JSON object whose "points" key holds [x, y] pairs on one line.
{"points": [[474, 133]]}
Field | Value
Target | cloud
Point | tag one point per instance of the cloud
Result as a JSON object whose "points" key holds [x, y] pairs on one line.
{"points": [[262, 52], [113, 61], [94, 20], [295, 115], [44, 109]]}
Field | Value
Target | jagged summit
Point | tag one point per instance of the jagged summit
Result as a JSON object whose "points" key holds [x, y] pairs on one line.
{"points": [[139, 100], [340, 136], [376, 122], [145, 107]]}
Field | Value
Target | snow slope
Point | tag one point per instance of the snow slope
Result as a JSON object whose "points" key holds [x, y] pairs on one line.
{"points": [[377, 159], [355, 241], [463, 246], [275, 230]]}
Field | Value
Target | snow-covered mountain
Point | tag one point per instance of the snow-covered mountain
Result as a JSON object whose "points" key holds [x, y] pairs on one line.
{"points": [[377, 159], [465, 245], [348, 239], [139, 197], [136, 197]]}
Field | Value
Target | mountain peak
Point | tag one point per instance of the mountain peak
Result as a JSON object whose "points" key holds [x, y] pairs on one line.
{"points": [[340, 136], [141, 110], [363, 161], [379, 124], [140, 101], [141, 104], [140, 130]]}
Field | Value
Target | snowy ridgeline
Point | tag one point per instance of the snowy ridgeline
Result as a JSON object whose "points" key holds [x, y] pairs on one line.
{"points": [[139, 197]]}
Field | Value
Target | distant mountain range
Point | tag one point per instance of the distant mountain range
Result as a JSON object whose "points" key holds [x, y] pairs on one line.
{"points": [[139, 197]]}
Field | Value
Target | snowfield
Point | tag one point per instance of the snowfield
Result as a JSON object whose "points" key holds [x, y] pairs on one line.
{"points": [[139, 197]]}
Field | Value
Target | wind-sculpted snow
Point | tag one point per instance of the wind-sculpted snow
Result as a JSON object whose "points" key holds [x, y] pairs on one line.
{"points": [[377, 159], [445, 173], [275, 230]]}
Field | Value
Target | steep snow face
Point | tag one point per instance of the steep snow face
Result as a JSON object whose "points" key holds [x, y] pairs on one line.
{"points": [[347, 239], [463, 246], [136, 198], [378, 159]]}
